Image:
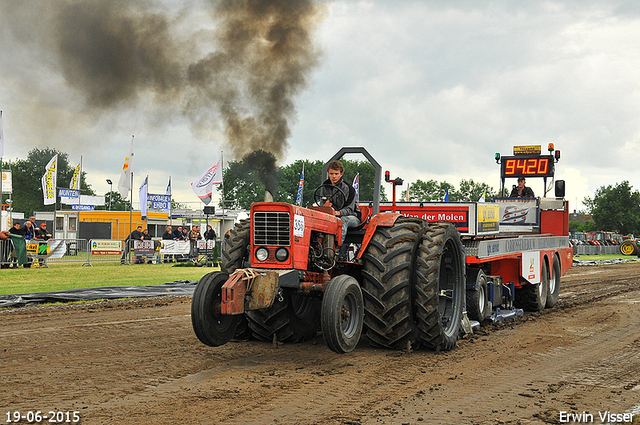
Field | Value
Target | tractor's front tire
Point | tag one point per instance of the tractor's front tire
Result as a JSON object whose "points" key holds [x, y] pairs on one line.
{"points": [[236, 247], [293, 319], [342, 314], [440, 286], [211, 327]]}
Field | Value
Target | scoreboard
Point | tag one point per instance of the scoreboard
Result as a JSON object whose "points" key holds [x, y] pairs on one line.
{"points": [[527, 166]]}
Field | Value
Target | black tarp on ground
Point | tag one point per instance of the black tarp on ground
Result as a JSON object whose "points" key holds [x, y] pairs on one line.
{"points": [[108, 292]]}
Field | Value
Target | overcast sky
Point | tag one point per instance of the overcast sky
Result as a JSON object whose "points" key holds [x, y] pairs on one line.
{"points": [[431, 88]]}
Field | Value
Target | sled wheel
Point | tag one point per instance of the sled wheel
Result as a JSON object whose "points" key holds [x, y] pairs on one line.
{"points": [[533, 297], [440, 286], [212, 327], [554, 284], [342, 314], [477, 295]]}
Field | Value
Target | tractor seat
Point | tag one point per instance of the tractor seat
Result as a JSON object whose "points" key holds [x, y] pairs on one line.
{"points": [[366, 215]]}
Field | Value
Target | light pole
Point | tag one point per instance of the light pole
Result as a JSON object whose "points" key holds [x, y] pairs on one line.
{"points": [[110, 183]]}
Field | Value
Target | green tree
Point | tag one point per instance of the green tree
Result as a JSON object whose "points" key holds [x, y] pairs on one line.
{"points": [[114, 202], [471, 191], [430, 190], [615, 208], [27, 173]]}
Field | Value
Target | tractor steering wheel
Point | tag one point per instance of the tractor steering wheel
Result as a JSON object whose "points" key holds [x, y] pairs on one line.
{"points": [[335, 196]]}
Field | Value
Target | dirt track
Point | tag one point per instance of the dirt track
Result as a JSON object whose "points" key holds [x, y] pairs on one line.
{"points": [[140, 362]]}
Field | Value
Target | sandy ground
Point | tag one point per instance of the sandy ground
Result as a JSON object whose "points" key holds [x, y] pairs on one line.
{"points": [[140, 362]]}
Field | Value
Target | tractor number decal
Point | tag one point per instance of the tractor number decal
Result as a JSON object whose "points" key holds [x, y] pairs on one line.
{"points": [[298, 225]]}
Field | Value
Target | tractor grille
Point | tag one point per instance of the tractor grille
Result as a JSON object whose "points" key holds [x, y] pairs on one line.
{"points": [[272, 228]]}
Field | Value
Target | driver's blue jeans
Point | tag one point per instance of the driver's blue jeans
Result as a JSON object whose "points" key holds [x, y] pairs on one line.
{"points": [[348, 221]]}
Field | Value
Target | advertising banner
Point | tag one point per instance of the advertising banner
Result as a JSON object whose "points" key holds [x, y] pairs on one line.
{"points": [[7, 186], [168, 247], [105, 247], [205, 246], [159, 202], [143, 248]]}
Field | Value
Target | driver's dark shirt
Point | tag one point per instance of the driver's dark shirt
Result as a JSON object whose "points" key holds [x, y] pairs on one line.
{"points": [[345, 188]]}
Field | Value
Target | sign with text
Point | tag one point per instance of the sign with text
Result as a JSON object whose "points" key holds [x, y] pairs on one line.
{"points": [[106, 247], [168, 247], [145, 248], [159, 202], [205, 245], [83, 207], [7, 186], [68, 193]]}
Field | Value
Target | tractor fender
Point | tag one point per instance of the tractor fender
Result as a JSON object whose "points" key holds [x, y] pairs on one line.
{"points": [[386, 219]]}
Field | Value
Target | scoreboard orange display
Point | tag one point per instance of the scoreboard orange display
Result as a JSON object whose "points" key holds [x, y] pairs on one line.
{"points": [[519, 166]]}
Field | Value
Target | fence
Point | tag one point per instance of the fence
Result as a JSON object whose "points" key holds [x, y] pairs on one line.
{"points": [[595, 249], [44, 252]]}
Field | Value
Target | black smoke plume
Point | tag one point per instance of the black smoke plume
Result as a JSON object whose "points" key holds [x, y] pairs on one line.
{"points": [[238, 77]]}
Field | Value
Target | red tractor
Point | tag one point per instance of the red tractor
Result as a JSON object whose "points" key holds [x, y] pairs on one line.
{"points": [[405, 283], [409, 283]]}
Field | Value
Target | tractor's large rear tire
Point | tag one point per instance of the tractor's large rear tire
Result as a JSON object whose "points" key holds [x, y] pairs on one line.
{"points": [[477, 295], [212, 327], [554, 284], [342, 314], [533, 297], [296, 318], [235, 254], [389, 262], [235, 251], [440, 286]]}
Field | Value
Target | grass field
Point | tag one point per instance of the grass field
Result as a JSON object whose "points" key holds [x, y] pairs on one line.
{"points": [[605, 257], [60, 276]]}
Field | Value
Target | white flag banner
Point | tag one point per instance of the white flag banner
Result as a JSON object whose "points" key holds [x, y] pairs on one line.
{"points": [[203, 185], [168, 192], [49, 181], [75, 179], [144, 189], [124, 185]]}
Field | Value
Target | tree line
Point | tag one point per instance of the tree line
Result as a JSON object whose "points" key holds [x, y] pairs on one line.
{"points": [[613, 208]]}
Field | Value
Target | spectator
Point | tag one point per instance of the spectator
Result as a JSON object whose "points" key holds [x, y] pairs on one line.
{"points": [[135, 235], [210, 234], [168, 236], [194, 236], [177, 235], [41, 233], [26, 231], [13, 255]]}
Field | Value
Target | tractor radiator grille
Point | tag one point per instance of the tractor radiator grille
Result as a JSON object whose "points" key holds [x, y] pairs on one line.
{"points": [[272, 228]]}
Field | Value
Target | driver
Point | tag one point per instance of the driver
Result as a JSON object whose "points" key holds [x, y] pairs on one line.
{"points": [[348, 212]]}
